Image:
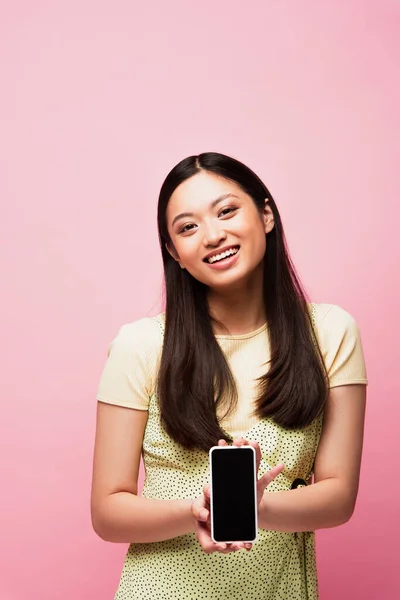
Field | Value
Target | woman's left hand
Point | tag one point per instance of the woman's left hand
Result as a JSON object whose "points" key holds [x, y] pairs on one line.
{"points": [[201, 506]]}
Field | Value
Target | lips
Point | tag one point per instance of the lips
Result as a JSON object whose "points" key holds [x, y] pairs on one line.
{"points": [[221, 253]]}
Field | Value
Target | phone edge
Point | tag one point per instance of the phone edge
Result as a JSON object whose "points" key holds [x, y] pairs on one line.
{"points": [[255, 494]]}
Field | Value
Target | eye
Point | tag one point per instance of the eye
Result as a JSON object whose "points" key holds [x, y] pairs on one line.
{"points": [[186, 228], [227, 211]]}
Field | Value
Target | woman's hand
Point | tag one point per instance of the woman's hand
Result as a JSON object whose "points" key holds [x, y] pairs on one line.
{"points": [[201, 506]]}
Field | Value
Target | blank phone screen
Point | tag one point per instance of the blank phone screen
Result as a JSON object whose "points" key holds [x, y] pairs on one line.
{"points": [[233, 494]]}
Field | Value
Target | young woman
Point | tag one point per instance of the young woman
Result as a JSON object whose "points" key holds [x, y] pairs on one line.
{"points": [[239, 355]]}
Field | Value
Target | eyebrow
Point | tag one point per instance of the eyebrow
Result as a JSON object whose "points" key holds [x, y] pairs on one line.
{"points": [[212, 205]]}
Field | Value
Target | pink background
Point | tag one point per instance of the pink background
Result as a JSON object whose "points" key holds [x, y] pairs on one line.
{"points": [[98, 101]]}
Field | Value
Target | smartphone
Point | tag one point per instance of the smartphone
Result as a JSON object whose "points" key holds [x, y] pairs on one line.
{"points": [[233, 494]]}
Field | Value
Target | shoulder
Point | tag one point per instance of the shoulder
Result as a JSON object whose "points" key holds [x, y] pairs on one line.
{"points": [[332, 318], [143, 334], [129, 376], [340, 343], [138, 341]]}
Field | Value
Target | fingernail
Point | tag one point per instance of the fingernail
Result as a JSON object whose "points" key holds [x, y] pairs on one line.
{"points": [[203, 515]]}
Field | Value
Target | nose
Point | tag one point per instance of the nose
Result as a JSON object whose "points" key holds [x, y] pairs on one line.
{"points": [[214, 234]]}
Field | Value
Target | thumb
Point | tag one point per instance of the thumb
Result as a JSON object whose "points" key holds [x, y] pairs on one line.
{"points": [[266, 479]]}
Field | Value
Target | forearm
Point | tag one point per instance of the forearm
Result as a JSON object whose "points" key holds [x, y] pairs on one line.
{"points": [[125, 517], [325, 504]]}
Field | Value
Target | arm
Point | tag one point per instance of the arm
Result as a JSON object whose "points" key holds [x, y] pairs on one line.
{"points": [[331, 499], [118, 513]]}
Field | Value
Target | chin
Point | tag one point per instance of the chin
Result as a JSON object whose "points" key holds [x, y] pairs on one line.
{"points": [[233, 281]]}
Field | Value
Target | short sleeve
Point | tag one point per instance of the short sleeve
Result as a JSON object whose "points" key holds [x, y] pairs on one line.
{"points": [[341, 346], [130, 373]]}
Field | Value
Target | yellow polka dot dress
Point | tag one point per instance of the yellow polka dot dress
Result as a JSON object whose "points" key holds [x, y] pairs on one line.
{"points": [[281, 566]]}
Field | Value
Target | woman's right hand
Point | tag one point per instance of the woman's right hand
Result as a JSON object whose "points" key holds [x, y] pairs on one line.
{"points": [[201, 513], [201, 506]]}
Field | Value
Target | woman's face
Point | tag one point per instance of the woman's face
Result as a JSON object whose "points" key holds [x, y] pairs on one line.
{"points": [[217, 232]]}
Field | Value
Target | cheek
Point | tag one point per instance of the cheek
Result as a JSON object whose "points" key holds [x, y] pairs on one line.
{"points": [[259, 242], [185, 249], [254, 232]]}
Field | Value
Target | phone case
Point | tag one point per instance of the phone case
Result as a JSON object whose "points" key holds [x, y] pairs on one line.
{"points": [[232, 449]]}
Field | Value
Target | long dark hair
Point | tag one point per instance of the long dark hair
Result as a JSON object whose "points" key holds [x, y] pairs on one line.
{"points": [[194, 376]]}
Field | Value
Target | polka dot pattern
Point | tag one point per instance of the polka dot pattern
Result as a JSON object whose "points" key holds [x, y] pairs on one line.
{"points": [[281, 566]]}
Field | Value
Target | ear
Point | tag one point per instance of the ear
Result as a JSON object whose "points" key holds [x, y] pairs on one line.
{"points": [[268, 217], [171, 249]]}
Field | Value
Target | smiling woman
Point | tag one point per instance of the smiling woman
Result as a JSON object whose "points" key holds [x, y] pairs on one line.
{"points": [[239, 356], [230, 223]]}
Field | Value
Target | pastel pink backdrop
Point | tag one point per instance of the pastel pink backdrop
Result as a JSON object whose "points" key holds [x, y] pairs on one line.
{"points": [[98, 101]]}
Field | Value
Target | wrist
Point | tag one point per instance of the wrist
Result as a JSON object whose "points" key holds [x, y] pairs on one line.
{"points": [[263, 512], [188, 512]]}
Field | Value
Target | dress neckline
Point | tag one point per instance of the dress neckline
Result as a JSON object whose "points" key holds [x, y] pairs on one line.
{"points": [[242, 336]]}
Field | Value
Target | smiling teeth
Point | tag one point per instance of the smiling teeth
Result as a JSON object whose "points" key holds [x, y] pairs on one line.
{"points": [[217, 257]]}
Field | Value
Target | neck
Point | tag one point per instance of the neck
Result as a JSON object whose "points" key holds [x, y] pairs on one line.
{"points": [[238, 310]]}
